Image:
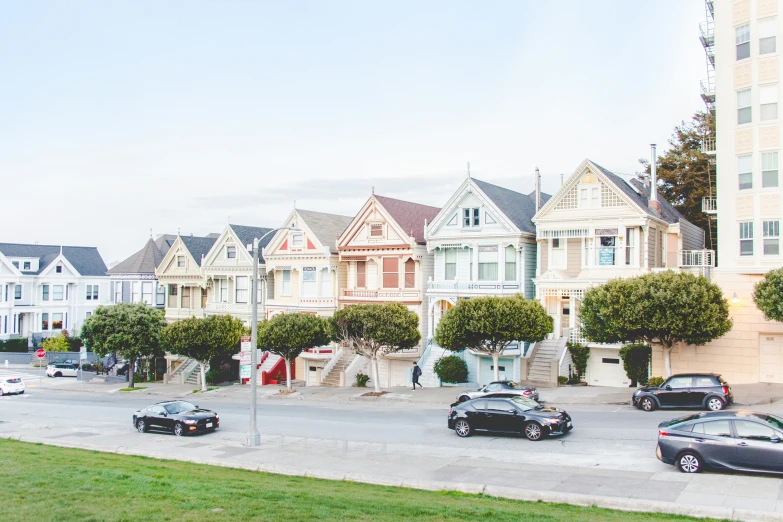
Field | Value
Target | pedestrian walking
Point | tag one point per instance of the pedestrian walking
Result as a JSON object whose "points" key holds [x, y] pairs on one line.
{"points": [[416, 374]]}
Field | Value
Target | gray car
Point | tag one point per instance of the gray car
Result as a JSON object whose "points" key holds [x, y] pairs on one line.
{"points": [[729, 440], [501, 389]]}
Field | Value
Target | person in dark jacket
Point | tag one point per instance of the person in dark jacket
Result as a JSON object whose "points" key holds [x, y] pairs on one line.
{"points": [[416, 374]]}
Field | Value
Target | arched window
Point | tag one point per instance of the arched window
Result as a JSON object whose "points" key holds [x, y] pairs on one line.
{"points": [[410, 273]]}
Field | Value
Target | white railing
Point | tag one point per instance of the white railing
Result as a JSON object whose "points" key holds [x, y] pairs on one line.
{"points": [[696, 258], [709, 205], [337, 354], [471, 286], [707, 30], [563, 347], [708, 146], [575, 336], [708, 87], [381, 294], [359, 363]]}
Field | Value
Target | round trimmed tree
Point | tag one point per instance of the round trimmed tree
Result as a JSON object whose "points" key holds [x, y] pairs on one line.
{"points": [[768, 295]]}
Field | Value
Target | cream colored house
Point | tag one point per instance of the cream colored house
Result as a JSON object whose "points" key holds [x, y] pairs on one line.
{"points": [[384, 251], [181, 275]]}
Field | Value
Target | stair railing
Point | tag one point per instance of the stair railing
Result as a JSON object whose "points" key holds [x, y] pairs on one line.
{"points": [[332, 362]]}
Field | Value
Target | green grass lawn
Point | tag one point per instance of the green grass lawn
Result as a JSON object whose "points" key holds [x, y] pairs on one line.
{"points": [[50, 483]]}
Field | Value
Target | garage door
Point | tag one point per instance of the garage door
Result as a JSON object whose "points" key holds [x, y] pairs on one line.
{"points": [[771, 358], [505, 369], [400, 373], [605, 368]]}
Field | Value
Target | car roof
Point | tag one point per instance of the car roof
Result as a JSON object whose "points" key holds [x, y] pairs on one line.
{"points": [[501, 382], [709, 415], [696, 374]]}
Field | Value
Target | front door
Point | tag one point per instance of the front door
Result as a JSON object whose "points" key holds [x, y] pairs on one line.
{"points": [[675, 391], [502, 416], [565, 314], [755, 448]]}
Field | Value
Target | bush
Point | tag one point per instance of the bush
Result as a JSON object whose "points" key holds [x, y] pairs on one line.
{"points": [[579, 356], [451, 369], [213, 376], [362, 379], [13, 345], [57, 343], [562, 379], [139, 377], [636, 362], [655, 381]]}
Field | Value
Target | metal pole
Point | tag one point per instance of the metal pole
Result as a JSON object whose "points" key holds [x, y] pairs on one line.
{"points": [[253, 435]]}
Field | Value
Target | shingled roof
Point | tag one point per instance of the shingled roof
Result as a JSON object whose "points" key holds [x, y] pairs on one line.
{"points": [[246, 235], [517, 207], [86, 260], [326, 227], [198, 246], [147, 259], [411, 217]]}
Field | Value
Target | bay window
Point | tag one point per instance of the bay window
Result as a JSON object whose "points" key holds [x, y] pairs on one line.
{"points": [[135, 292], [241, 289], [45, 292], [146, 292], [326, 282], [488, 263], [223, 290], [391, 272], [450, 259], [44, 321]]}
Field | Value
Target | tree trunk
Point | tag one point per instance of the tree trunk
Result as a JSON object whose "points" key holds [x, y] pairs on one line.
{"points": [[495, 357], [288, 373], [667, 361], [131, 364], [203, 366], [376, 376]]}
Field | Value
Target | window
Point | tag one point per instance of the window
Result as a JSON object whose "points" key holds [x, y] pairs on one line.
{"points": [[172, 296], [161, 296], [679, 382], [26, 265], [511, 263], [87, 315], [590, 197], [704, 382], [242, 289], [57, 321], [135, 292], [470, 256], [361, 274], [499, 405], [45, 292], [185, 297], [743, 41], [767, 28], [326, 282], [769, 169], [606, 251], [595, 197], [743, 107], [753, 431], [488, 263], [44, 321], [583, 198], [58, 269], [391, 272], [203, 298], [629, 244], [297, 241], [309, 282], [146, 292], [376, 230], [715, 428], [92, 293], [607, 360], [410, 273], [17, 291], [470, 217], [745, 170], [768, 99], [770, 230], [285, 283], [746, 238], [231, 252], [180, 261], [556, 243], [450, 256], [223, 290]]}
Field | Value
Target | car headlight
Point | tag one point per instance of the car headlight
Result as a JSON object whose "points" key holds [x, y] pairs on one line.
{"points": [[189, 422], [550, 421]]}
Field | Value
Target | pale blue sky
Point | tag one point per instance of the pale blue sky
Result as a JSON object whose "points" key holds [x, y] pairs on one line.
{"points": [[117, 117]]}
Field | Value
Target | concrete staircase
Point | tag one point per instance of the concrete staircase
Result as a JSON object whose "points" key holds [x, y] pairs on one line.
{"points": [[333, 377], [540, 369], [184, 372], [195, 377], [428, 377], [267, 365]]}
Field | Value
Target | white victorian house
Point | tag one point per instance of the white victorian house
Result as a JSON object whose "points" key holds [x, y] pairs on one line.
{"points": [[45, 289], [599, 227], [484, 244]]}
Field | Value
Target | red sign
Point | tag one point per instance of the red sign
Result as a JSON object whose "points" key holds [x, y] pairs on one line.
{"points": [[40, 353]]}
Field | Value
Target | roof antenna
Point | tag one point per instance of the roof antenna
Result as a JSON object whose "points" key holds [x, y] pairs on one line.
{"points": [[150, 233], [178, 231], [538, 191], [294, 204], [468, 170], [561, 179], [373, 190]]}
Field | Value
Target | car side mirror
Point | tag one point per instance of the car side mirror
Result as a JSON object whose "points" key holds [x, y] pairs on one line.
{"points": [[774, 440], [165, 414], [512, 410], [669, 388], [196, 406]]}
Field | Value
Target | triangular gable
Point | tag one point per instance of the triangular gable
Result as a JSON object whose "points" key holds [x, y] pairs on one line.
{"points": [[59, 260], [6, 267], [169, 263], [372, 213], [217, 253], [279, 244]]}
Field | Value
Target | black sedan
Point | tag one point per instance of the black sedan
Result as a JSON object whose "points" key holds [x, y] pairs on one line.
{"points": [[686, 390], [508, 415], [500, 389], [728, 440], [178, 417]]}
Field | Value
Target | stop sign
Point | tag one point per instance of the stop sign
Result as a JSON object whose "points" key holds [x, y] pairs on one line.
{"points": [[40, 353]]}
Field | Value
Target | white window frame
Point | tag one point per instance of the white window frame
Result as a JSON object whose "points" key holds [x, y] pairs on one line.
{"points": [[146, 292], [285, 283], [767, 29], [768, 102], [326, 282], [135, 292], [223, 290], [745, 162], [62, 321], [486, 255], [55, 292], [769, 165], [744, 103], [770, 233], [742, 41], [309, 278], [562, 246], [446, 263], [297, 237], [471, 217], [181, 262], [231, 252], [241, 289], [746, 236]]}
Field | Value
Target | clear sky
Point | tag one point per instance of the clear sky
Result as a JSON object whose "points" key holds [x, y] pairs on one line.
{"points": [[121, 117]]}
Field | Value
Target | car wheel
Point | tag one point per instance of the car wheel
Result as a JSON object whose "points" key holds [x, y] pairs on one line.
{"points": [[1, 392], [647, 404], [58, 374], [533, 431], [463, 398], [715, 404], [141, 426], [689, 462], [462, 428], [179, 430], [21, 392]]}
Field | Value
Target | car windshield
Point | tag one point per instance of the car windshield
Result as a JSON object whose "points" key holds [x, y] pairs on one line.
{"points": [[179, 407], [526, 404], [13, 380], [776, 422]]}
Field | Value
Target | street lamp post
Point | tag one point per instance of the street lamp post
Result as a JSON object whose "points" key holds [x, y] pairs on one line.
{"points": [[253, 435]]}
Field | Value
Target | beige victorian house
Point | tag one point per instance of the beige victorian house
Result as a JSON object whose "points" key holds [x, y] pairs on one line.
{"points": [[181, 275]]}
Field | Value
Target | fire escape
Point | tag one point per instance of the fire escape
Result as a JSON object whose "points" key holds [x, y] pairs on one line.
{"points": [[707, 37]]}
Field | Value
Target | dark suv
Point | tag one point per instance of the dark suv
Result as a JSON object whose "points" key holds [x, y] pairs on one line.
{"points": [[686, 390]]}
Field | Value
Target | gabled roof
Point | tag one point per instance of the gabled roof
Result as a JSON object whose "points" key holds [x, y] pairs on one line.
{"points": [[198, 246], [519, 208], [147, 259], [246, 235], [640, 195], [409, 216], [326, 227], [85, 260]]}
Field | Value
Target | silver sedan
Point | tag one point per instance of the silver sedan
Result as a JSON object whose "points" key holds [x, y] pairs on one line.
{"points": [[506, 388]]}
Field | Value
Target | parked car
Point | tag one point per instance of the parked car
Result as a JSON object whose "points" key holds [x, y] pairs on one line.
{"points": [[686, 390], [11, 385], [508, 415], [178, 417], [733, 440], [62, 370], [500, 389]]}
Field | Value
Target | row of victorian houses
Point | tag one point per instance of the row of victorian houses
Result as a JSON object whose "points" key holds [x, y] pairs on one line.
{"points": [[485, 240]]}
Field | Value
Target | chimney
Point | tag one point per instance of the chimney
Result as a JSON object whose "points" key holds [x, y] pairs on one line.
{"points": [[654, 204], [538, 191]]}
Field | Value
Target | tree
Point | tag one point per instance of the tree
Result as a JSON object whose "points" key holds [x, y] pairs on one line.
{"points": [[685, 174], [288, 335], [376, 329], [57, 343], [204, 338], [451, 369], [579, 356], [636, 362], [130, 330], [662, 308], [489, 324], [768, 295]]}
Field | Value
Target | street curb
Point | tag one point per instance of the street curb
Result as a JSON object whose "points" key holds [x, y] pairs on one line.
{"points": [[616, 503]]}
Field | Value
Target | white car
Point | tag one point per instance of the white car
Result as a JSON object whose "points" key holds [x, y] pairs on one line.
{"points": [[62, 370], [11, 385]]}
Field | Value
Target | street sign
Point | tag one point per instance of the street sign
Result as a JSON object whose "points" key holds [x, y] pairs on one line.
{"points": [[245, 357], [83, 353], [40, 353], [244, 371], [245, 345]]}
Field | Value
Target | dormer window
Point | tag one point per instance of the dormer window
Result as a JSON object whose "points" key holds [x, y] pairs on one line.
{"points": [[180, 261], [376, 230], [589, 192], [231, 252], [58, 269], [297, 241], [26, 265], [470, 217]]}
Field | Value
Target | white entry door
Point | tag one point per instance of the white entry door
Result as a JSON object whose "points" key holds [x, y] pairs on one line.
{"points": [[311, 375], [771, 358]]}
